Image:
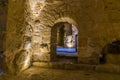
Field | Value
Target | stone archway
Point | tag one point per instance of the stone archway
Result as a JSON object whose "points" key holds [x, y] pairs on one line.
{"points": [[64, 41]]}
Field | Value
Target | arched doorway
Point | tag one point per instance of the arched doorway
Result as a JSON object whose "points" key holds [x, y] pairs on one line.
{"points": [[111, 52], [64, 41]]}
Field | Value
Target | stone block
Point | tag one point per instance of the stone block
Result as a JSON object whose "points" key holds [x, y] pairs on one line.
{"points": [[113, 58]]}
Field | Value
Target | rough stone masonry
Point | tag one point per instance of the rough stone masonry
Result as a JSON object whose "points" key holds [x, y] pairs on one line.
{"points": [[30, 23]]}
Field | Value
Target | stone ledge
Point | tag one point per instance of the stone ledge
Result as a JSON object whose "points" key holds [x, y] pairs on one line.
{"points": [[107, 68], [62, 65]]}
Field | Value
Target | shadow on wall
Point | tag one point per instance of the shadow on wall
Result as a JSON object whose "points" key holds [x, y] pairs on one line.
{"points": [[3, 22], [111, 48], [2, 63]]}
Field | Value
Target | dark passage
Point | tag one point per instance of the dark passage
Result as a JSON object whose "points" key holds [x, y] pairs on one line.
{"points": [[112, 48]]}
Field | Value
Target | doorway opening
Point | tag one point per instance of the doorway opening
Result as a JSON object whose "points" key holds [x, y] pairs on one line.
{"points": [[64, 40], [112, 49]]}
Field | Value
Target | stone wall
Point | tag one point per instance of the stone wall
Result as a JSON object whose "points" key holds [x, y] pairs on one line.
{"points": [[29, 28], [94, 20], [15, 34], [40, 33]]}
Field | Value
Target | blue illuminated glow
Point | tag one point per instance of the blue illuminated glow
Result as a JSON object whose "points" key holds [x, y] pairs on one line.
{"points": [[63, 50]]}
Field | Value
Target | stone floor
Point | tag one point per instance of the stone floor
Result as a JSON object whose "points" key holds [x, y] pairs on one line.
{"points": [[35, 73]]}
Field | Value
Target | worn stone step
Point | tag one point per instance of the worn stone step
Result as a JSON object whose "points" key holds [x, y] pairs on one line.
{"points": [[107, 68], [63, 65]]}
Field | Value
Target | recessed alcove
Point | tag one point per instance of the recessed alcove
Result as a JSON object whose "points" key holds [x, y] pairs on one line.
{"points": [[111, 52]]}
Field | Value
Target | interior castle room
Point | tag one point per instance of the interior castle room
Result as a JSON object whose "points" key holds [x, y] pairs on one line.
{"points": [[47, 39]]}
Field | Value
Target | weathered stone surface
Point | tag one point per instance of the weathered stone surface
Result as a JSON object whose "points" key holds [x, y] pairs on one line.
{"points": [[15, 31], [22, 60], [113, 58], [96, 20], [89, 17]]}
